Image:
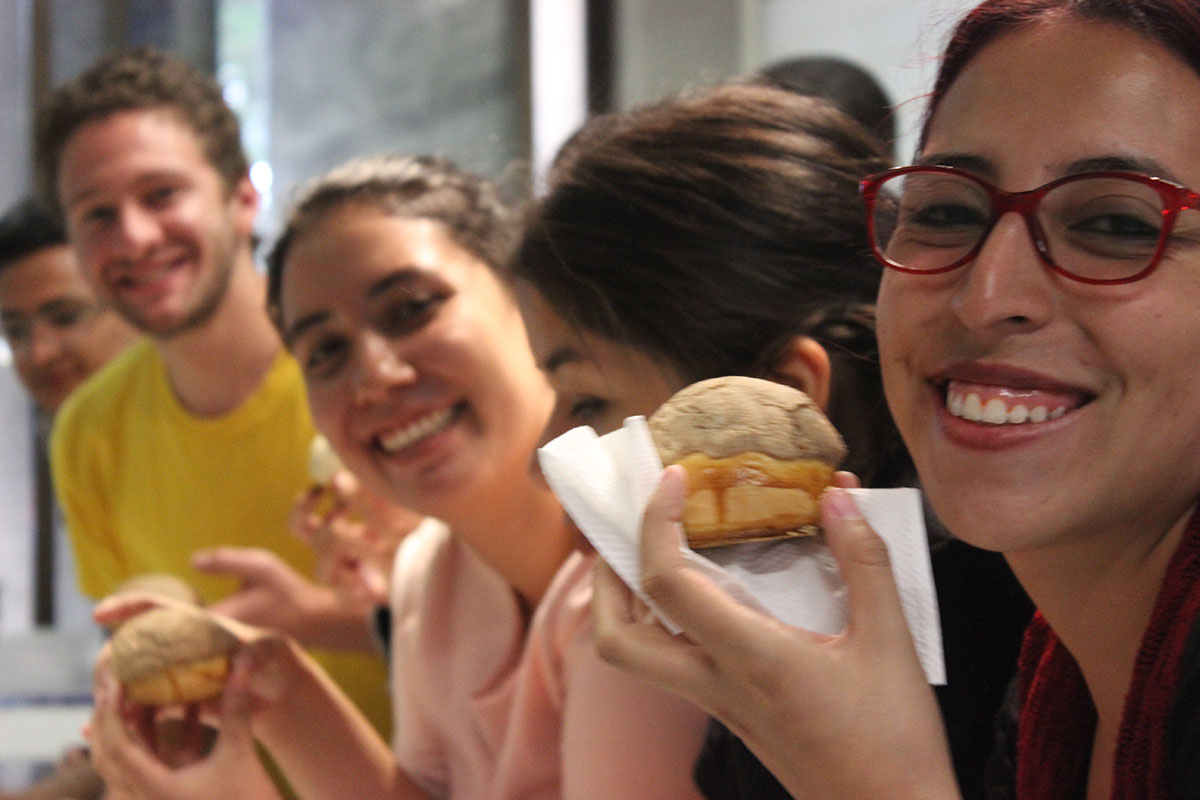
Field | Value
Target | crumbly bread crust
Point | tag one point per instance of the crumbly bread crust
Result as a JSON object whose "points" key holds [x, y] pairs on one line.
{"points": [[722, 417], [181, 647]]}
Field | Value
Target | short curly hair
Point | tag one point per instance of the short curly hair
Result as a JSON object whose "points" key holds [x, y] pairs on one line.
{"points": [[135, 79], [481, 219]]}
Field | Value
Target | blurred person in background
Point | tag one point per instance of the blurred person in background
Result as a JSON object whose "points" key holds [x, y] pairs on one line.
{"points": [[58, 329], [59, 333], [196, 437], [848, 86]]}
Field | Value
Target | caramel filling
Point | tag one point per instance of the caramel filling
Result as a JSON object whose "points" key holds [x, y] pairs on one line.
{"points": [[750, 492], [756, 469], [181, 683]]}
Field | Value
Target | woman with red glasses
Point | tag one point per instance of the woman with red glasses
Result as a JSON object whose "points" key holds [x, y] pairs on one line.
{"points": [[1039, 329]]}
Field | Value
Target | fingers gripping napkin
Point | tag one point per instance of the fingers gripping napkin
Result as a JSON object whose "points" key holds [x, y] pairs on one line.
{"points": [[172, 655], [758, 456], [605, 482]]}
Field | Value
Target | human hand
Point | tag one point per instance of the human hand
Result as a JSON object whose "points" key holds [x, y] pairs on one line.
{"points": [[267, 659], [274, 596], [845, 716], [127, 751], [354, 534]]}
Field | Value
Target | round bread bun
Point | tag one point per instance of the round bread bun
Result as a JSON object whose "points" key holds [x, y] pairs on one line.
{"points": [[758, 456], [172, 655]]}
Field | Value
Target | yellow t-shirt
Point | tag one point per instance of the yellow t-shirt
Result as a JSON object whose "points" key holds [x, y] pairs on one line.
{"points": [[144, 484]]}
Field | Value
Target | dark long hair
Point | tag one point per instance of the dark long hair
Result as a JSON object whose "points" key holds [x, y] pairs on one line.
{"points": [[1175, 24], [710, 229]]}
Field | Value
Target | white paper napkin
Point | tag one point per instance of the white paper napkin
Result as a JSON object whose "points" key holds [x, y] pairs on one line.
{"points": [[605, 482]]}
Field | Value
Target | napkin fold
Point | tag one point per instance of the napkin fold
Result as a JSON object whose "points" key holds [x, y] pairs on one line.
{"points": [[605, 482]]}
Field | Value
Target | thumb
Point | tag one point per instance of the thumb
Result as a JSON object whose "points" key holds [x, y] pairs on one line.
{"points": [[662, 536], [373, 582], [874, 602], [236, 710], [115, 609]]}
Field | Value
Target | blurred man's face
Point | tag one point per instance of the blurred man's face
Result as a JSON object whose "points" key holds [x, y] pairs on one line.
{"points": [[58, 330]]}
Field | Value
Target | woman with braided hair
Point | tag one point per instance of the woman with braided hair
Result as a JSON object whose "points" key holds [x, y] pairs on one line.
{"points": [[386, 284]]}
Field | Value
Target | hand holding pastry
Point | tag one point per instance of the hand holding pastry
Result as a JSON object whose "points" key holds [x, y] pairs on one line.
{"points": [[846, 716]]}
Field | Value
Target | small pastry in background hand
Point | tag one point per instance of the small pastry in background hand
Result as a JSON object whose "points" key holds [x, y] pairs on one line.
{"points": [[172, 655], [758, 456], [323, 462]]}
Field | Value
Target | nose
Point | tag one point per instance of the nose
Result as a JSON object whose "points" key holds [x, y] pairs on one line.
{"points": [[137, 229], [1006, 286], [379, 366], [44, 344]]}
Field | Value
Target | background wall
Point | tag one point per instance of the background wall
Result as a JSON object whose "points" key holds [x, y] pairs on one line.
{"points": [[898, 41], [663, 45], [16, 412], [424, 76]]}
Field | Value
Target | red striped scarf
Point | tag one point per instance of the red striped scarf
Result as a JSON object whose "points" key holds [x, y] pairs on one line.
{"points": [[1058, 720]]}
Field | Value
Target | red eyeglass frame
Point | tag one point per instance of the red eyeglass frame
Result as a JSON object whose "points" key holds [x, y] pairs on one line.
{"points": [[1176, 198]]}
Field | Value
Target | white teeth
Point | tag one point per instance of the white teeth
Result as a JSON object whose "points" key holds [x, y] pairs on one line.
{"points": [[398, 440], [994, 413], [971, 407]]}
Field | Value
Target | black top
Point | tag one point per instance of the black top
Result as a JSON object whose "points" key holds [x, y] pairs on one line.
{"points": [[1182, 738]]}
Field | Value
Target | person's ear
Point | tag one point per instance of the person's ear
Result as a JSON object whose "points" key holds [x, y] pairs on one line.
{"points": [[804, 364], [244, 203]]}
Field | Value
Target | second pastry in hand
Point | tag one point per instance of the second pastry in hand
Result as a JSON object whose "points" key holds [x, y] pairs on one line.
{"points": [[176, 654], [758, 456]]}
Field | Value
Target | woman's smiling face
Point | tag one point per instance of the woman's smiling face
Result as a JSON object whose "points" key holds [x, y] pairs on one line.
{"points": [[1117, 368], [415, 359]]}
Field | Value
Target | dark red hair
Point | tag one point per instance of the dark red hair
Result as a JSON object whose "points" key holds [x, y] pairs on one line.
{"points": [[1175, 24]]}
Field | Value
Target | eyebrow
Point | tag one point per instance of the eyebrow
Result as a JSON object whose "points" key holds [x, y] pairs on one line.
{"points": [[295, 331], [971, 163], [87, 193], [65, 303], [1119, 163], [402, 277], [985, 168], [61, 303], [560, 357]]}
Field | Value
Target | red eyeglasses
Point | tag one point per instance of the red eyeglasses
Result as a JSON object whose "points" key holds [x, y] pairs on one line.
{"points": [[1095, 227]]}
